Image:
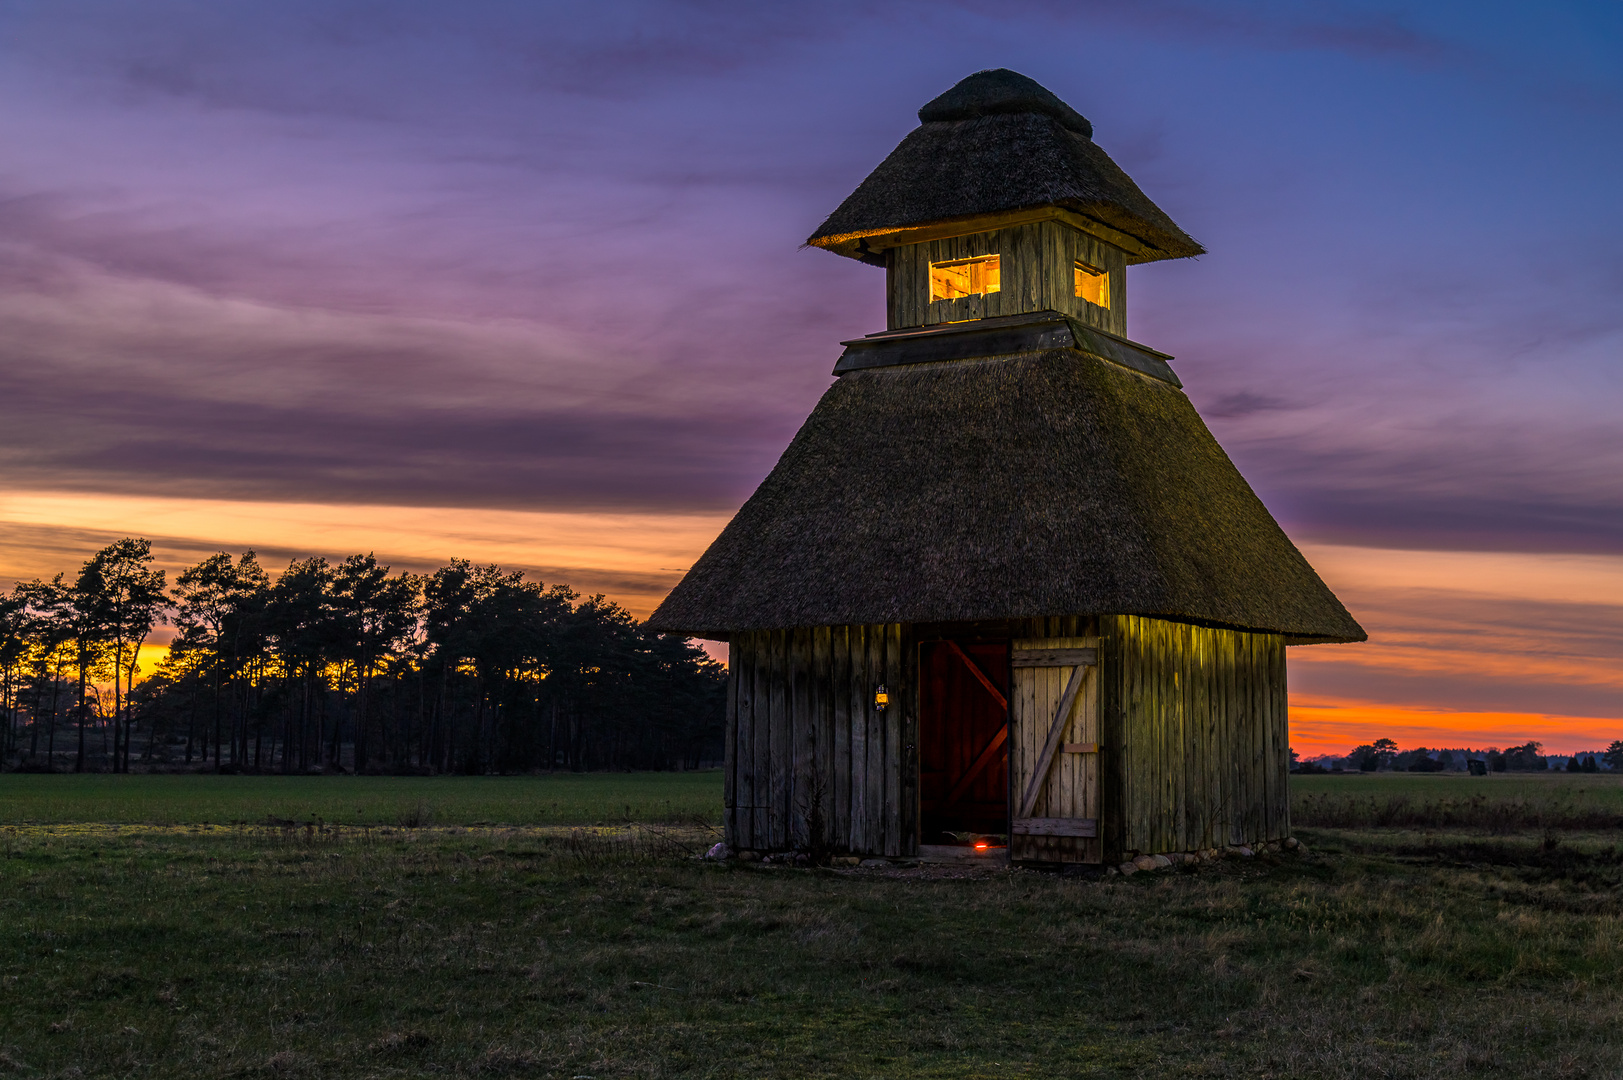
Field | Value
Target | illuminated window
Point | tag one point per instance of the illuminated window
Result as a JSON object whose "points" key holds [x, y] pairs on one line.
{"points": [[1093, 285], [963, 277]]}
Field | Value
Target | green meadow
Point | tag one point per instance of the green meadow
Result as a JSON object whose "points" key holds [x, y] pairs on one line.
{"points": [[504, 939], [549, 799]]}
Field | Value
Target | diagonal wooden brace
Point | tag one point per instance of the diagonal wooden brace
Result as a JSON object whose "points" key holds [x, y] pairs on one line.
{"points": [[1045, 760], [975, 670], [982, 760]]}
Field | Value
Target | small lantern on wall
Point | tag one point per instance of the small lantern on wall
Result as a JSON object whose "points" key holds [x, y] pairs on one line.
{"points": [[881, 698]]}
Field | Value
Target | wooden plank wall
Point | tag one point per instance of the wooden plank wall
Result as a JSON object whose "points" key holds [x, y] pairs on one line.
{"points": [[802, 730], [1035, 265], [1198, 721]]}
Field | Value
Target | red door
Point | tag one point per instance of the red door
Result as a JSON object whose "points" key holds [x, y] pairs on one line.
{"points": [[963, 740]]}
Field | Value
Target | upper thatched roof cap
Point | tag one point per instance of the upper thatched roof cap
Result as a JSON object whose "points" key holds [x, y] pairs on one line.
{"points": [[1040, 483], [998, 142], [1002, 91]]}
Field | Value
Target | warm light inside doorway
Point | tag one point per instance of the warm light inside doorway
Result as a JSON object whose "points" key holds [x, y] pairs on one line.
{"points": [[964, 277], [1093, 285]]}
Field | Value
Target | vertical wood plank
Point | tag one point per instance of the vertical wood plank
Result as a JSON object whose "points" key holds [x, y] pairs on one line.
{"points": [[1190, 641], [1130, 735], [1092, 805], [1174, 660], [744, 783], [1225, 727], [778, 742], [1241, 735], [898, 263], [822, 774], [1248, 760], [1279, 722], [911, 786], [1035, 694], [1048, 694], [1257, 796], [729, 767], [840, 779], [1112, 735], [1158, 678], [761, 742], [1155, 686], [1262, 782], [873, 840], [1055, 264], [1067, 799], [1207, 704], [802, 746], [895, 720], [1206, 717], [859, 698], [1218, 726], [1118, 294]]}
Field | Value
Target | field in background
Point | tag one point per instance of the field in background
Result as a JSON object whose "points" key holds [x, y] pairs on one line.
{"points": [[1602, 786], [690, 798], [1498, 803], [1418, 952], [695, 798]]}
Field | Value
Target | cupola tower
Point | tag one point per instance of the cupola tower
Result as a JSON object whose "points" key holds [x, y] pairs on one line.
{"points": [[1004, 583]]}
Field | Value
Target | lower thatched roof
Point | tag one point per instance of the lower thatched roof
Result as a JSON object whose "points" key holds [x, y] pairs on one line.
{"points": [[1050, 483]]}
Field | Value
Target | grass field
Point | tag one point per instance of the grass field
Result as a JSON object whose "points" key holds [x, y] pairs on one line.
{"points": [[1499, 802], [1404, 952], [553, 799], [1605, 788]]}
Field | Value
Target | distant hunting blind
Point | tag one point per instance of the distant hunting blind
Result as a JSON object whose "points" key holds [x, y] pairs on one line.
{"points": [[1004, 581]]}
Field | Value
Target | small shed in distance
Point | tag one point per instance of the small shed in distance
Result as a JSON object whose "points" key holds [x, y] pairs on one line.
{"points": [[1004, 581]]}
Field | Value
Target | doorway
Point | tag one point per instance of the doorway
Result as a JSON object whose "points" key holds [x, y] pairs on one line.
{"points": [[963, 741]]}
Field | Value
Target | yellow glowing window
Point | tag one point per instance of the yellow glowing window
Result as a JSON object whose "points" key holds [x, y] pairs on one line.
{"points": [[1093, 285], [963, 277]]}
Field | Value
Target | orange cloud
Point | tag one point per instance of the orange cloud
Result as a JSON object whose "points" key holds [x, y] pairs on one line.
{"points": [[633, 557], [1332, 726]]}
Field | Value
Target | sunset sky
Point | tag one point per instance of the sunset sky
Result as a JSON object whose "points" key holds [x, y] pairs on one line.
{"points": [[522, 282]]}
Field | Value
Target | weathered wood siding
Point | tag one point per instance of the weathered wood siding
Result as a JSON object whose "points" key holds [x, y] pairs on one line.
{"points": [[803, 733], [1191, 728], [1195, 735], [1035, 264]]}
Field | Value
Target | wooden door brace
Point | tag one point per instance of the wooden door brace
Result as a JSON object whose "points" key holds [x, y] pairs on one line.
{"points": [[982, 760], [975, 670], [989, 753], [1045, 760]]}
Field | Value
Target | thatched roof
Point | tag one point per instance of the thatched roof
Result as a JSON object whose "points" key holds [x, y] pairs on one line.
{"points": [[998, 142], [1041, 483]]}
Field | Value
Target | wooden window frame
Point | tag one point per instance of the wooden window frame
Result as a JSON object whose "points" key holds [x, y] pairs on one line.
{"points": [[1100, 274]]}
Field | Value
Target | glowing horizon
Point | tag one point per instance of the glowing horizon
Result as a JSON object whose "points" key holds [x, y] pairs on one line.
{"points": [[1435, 617], [1329, 726]]}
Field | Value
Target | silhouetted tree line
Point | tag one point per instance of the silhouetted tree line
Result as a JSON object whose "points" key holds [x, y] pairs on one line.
{"points": [[343, 666], [1383, 755]]}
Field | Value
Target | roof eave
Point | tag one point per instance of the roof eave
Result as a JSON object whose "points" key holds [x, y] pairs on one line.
{"points": [[869, 245]]}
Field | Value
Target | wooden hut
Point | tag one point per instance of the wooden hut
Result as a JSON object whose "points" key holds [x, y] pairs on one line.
{"points": [[1004, 581]]}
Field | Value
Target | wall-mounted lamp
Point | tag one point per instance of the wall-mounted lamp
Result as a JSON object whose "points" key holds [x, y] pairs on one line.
{"points": [[881, 698]]}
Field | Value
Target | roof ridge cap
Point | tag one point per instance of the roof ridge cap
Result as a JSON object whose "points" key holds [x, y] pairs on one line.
{"points": [[999, 90]]}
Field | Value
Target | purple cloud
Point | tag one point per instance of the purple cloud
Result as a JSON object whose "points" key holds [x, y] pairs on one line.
{"points": [[528, 257]]}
